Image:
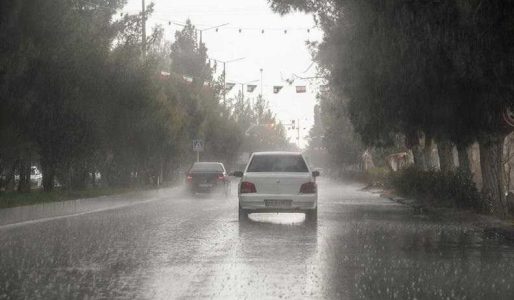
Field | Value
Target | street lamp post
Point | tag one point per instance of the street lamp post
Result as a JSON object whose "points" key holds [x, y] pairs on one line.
{"points": [[143, 29], [261, 81], [225, 62], [205, 29], [243, 84]]}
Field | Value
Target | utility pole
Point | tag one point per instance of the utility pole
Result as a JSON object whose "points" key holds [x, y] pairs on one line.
{"points": [[261, 82], [143, 38], [224, 82], [298, 138]]}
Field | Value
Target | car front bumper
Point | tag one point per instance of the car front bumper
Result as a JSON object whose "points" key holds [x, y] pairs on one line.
{"points": [[298, 202]]}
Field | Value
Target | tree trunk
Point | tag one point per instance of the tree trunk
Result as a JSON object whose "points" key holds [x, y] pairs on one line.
{"points": [[427, 152], [493, 186], [24, 181], [445, 151], [48, 171], [419, 158], [464, 163], [10, 180], [78, 176]]}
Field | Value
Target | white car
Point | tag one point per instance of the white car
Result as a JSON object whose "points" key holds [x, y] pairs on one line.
{"points": [[278, 182]]}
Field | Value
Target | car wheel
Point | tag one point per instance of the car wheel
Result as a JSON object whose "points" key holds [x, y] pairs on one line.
{"points": [[311, 215]]}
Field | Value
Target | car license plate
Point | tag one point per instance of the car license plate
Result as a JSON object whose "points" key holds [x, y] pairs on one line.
{"points": [[277, 203], [205, 185]]}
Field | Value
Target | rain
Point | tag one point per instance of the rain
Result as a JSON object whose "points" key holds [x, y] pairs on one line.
{"points": [[270, 149]]}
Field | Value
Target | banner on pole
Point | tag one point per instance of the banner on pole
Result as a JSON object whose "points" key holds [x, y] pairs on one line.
{"points": [[301, 89], [250, 88], [229, 86]]}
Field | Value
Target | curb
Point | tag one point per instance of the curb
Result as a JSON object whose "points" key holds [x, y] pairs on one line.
{"points": [[497, 228]]}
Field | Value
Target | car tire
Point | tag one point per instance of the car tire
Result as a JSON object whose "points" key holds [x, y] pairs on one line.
{"points": [[243, 214], [311, 215]]}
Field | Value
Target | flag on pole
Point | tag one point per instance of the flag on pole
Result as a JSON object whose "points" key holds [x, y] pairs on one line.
{"points": [[250, 88], [229, 86], [277, 88], [301, 89]]}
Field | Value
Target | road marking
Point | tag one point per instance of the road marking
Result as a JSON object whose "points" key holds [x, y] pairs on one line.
{"points": [[42, 220]]}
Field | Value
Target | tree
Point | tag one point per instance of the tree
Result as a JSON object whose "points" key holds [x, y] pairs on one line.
{"points": [[188, 57], [437, 69]]}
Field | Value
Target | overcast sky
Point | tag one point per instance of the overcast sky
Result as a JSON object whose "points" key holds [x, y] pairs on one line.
{"points": [[279, 54]]}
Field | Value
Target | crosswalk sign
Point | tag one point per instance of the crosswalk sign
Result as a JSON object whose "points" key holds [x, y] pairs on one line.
{"points": [[198, 145]]}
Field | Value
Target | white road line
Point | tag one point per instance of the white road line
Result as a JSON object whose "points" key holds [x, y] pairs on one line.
{"points": [[42, 220]]}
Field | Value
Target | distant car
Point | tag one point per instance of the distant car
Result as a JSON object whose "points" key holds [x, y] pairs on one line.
{"points": [[206, 177], [278, 182]]}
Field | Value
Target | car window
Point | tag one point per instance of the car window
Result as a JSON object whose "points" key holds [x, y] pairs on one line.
{"points": [[277, 163], [207, 167]]}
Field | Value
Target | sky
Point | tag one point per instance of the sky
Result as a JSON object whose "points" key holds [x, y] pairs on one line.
{"points": [[277, 53]]}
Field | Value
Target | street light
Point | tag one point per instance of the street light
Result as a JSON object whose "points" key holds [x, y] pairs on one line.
{"points": [[261, 81], [225, 62], [209, 28], [243, 84]]}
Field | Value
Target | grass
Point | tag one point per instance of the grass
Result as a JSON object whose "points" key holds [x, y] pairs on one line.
{"points": [[13, 199]]}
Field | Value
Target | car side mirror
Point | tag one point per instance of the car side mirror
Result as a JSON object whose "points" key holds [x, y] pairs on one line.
{"points": [[315, 173], [237, 174]]}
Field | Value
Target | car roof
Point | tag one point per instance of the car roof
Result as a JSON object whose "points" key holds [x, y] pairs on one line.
{"points": [[278, 153]]}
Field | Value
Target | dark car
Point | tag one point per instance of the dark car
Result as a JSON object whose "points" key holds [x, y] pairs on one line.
{"points": [[206, 177]]}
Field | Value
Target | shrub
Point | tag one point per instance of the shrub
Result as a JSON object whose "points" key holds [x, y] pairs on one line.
{"points": [[377, 176], [446, 189]]}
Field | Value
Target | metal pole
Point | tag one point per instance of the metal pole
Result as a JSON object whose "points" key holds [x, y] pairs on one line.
{"points": [[261, 82], [224, 83], [298, 133], [143, 38]]}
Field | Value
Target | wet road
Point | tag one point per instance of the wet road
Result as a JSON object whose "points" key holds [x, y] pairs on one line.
{"points": [[176, 246]]}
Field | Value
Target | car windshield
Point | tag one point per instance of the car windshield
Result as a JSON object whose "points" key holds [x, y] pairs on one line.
{"points": [[207, 167], [277, 163]]}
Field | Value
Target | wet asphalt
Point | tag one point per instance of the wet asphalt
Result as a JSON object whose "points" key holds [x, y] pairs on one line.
{"points": [[171, 245]]}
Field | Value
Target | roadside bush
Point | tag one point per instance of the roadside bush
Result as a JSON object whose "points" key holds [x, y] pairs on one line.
{"points": [[377, 176], [443, 189]]}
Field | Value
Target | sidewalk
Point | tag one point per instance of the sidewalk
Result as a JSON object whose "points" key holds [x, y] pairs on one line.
{"points": [[491, 225], [46, 211]]}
